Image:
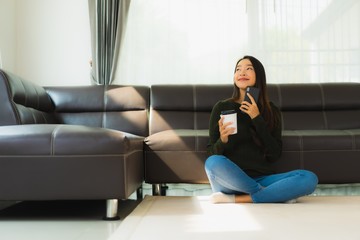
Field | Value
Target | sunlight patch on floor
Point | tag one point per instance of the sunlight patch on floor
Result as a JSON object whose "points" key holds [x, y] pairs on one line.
{"points": [[215, 218]]}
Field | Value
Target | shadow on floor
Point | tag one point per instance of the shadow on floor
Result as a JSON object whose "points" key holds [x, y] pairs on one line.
{"points": [[64, 210]]}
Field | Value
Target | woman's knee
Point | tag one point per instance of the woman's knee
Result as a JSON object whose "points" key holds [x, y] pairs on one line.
{"points": [[310, 176], [213, 161], [313, 179], [310, 179]]}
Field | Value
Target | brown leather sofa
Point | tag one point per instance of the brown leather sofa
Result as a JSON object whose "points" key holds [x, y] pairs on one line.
{"points": [[88, 142], [71, 143], [321, 131]]}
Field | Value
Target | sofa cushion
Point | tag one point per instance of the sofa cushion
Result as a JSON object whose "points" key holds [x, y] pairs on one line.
{"points": [[184, 106], [123, 108], [301, 140], [58, 139], [309, 106], [178, 140], [321, 140]]}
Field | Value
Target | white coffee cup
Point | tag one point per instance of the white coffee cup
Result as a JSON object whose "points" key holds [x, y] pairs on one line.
{"points": [[230, 116]]}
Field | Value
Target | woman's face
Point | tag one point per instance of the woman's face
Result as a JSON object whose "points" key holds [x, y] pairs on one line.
{"points": [[244, 75]]}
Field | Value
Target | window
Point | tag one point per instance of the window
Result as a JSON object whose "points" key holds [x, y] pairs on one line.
{"points": [[199, 41]]}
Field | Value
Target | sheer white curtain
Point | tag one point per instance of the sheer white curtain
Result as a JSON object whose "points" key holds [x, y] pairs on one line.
{"points": [[0, 60], [311, 41], [107, 23], [199, 41]]}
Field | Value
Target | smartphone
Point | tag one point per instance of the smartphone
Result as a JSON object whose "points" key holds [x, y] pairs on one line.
{"points": [[254, 92]]}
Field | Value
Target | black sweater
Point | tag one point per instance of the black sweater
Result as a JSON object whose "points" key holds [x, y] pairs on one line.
{"points": [[254, 148]]}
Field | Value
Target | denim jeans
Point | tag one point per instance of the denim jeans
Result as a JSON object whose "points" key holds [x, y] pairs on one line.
{"points": [[226, 177]]}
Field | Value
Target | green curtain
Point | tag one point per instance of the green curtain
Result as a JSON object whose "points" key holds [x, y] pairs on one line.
{"points": [[107, 23]]}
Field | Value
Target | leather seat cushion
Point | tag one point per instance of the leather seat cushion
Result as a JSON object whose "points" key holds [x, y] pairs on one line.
{"points": [[178, 140], [321, 140], [60, 139], [298, 140]]}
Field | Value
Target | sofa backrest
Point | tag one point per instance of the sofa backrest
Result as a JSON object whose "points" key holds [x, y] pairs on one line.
{"points": [[307, 106], [184, 106], [23, 102], [122, 108], [304, 106]]}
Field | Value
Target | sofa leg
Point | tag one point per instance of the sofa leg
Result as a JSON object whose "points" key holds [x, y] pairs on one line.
{"points": [[159, 189], [156, 189], [139, 193], [111, 210]]}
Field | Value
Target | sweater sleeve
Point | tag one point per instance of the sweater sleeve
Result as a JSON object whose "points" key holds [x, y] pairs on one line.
{"points": [[271, 140], [215, 145]]}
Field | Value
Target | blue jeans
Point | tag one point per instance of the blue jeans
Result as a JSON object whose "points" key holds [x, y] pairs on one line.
{"points": [[226, 177]]}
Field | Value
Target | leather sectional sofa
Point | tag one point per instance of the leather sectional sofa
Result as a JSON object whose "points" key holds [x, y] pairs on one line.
{"points": [[71, 143], [321, 131], [103, 142]]}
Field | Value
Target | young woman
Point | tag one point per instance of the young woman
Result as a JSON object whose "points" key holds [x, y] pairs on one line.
{"points": [[240, 168]]}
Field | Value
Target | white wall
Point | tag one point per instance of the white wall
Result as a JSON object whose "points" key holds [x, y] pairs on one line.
{"points": [[7, 35], [51, 43]]}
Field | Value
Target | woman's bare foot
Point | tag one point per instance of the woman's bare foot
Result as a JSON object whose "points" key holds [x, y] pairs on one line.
{"points": [[219, 197], [243, 199]]}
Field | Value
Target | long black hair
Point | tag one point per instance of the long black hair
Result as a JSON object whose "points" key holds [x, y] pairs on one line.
{"points": [[263, 102]]}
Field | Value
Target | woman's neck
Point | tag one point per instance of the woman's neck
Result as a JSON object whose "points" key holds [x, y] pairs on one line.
{"points": [[242, 96]]}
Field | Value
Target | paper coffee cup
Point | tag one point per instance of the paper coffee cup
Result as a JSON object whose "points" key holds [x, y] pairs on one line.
{"points": [[230, 116]]}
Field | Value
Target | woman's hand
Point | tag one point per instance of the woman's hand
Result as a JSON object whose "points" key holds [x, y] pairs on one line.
{"points": [[225, 130], [250, 109]]}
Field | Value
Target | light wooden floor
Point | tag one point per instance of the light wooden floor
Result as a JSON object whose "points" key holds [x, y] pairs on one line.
{"points": [[315, 217], [82, 220]]}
